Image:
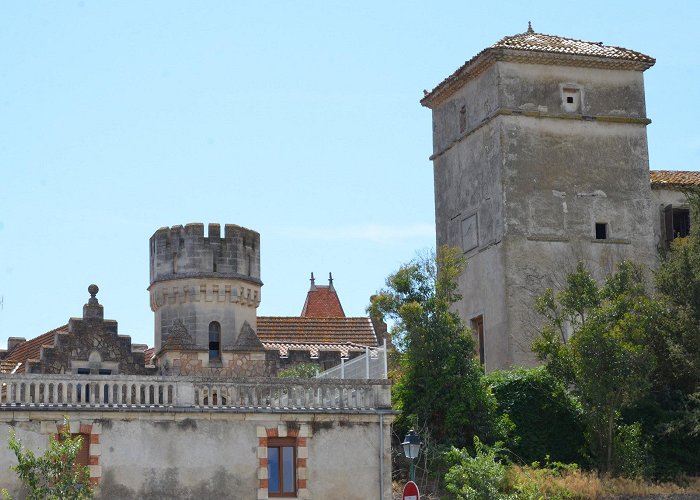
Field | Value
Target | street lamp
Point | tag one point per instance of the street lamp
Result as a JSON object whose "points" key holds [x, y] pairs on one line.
{"points": [[411, 448]]}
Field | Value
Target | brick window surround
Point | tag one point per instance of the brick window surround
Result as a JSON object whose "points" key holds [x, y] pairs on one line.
{"points": [[300, 434], [90, 431]]}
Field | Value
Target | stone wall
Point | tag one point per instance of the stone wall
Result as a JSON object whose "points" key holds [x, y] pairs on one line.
{"points": [[522, 177]]}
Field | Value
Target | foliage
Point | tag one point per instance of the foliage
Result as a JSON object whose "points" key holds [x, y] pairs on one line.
{"points": [[440, 384], [54, 475], [478, 477], [548, 420], [596, 339], [301, 370], [670, 413]]}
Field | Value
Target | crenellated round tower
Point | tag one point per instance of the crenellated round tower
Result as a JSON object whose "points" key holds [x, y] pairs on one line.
{"points": [[204, 289]]}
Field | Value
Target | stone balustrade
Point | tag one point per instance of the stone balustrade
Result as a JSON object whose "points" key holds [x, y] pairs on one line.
{"points": [[146, 392]]}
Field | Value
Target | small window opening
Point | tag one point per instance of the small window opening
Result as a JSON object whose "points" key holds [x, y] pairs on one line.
{"points": [[104, 371], [83, 371], [478, 329], [214, 341], [462, 119], [571, 99], [601, 231]]}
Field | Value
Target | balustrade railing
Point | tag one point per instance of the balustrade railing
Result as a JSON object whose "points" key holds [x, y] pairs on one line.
{"points": [[119, 391]]}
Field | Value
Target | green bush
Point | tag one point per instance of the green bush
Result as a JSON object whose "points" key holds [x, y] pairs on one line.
{"points": [[301, 370], [478, 477], [547, 419]]}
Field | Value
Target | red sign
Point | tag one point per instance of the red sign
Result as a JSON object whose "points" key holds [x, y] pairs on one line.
{"points": [[410, 491]]}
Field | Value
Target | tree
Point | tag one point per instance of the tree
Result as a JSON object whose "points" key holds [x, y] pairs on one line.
{"points": [[439, 385], [54, 475], [596, 340]]}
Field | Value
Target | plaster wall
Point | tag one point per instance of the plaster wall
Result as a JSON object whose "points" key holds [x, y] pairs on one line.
{"points": [[521, 185], [479, 98], [539, 87], [188, 455], [560, 179]]}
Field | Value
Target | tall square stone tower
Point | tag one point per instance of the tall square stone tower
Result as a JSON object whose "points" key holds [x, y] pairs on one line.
{"points": [[540, 161]]}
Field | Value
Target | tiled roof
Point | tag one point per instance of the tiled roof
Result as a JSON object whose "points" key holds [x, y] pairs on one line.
{"points": [[322, 302], [532, 41], [293, 330], [539, 48], [148, 355], [285, 347], [31, 348], [660, 178], [10, 366]]}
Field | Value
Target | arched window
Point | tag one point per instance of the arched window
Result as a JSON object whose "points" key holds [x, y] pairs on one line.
{"points": [[214, 341]]}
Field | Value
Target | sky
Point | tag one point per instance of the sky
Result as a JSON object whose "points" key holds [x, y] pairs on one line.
{"points": [[300, 120]]}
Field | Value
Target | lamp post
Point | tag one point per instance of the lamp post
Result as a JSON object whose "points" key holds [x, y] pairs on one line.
{"points": [[411, 448]]}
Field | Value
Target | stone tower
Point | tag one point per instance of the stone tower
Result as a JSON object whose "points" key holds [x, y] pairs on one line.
{"points": [[540, 160], [204, 292]]}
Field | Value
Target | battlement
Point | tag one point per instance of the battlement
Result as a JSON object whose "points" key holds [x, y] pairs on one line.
{"points": [[185, 252]]}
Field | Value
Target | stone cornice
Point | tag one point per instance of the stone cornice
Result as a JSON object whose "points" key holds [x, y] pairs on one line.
{"points": [[540, 114], [485, 59]]}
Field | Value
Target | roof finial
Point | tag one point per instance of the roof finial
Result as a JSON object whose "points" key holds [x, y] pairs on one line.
{"points": [[313, 281], [330, 280], [529, 27]]}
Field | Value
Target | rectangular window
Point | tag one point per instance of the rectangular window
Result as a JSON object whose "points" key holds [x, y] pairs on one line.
{"points": [[601, 231], [681, 222], [478, 329], [281, 467]]}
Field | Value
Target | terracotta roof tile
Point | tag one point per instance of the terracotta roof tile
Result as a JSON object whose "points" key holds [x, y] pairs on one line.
{"points": [[532, 41], [10, 366], [677, 178], [322, 302], [293, 330], [31, 348], [148, 355], [539, 48]]}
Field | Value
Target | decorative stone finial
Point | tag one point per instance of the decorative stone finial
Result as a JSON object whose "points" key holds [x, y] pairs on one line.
{"points": [[93, 309], [330, 280], [529, 27], [313, 281]]}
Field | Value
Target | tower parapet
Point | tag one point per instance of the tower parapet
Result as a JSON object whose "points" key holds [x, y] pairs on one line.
{"points": [[182, 252]]}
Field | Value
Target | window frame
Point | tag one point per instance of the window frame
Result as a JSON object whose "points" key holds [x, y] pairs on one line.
{"points": [[217, 332], [279, 444]]}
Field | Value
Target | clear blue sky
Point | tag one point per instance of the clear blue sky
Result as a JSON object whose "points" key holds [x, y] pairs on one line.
{"points": [[297, 119]]}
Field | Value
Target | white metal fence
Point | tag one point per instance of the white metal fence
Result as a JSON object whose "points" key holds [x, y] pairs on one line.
{"points": [[370, 365]]}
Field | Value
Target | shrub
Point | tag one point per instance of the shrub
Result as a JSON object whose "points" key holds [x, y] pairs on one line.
{"points": [[547, 418], [478, 477]]}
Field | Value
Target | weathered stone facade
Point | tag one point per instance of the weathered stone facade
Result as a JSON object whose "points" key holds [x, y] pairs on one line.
{"points": [[193, 438], [540, 161]]}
